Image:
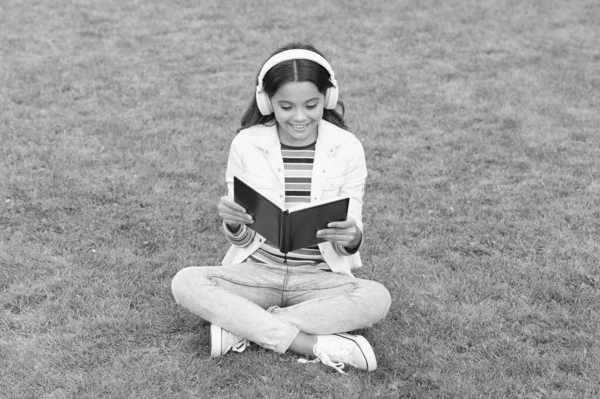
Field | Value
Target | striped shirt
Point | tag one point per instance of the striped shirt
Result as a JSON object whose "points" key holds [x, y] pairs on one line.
{"points": [[298, 166]]}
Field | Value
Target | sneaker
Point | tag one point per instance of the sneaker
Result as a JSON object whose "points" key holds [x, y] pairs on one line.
{"points": [[222, 341], [337, 350]]}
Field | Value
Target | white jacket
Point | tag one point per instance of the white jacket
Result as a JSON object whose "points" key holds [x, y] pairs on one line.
{"points": [[339, 169]]}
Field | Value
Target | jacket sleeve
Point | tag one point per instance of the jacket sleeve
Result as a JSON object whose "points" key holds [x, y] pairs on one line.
{"points": [[235, 164], [354, 187], [244, 236], [354, 184]]}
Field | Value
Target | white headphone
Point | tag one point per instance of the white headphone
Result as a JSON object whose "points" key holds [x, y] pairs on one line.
{"points": [[262, 99]]}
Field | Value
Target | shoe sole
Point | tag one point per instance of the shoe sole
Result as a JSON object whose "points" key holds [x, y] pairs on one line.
{"points": [[216, 341], [365, 348]]}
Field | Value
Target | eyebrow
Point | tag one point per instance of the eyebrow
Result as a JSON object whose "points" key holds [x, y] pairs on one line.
{"points": [[307, 101]]}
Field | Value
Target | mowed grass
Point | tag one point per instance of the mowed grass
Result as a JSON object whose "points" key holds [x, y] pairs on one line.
{"points": [[482, 134]]}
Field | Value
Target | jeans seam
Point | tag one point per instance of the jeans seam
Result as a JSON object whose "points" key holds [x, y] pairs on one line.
{"points": [[211, 277], [352, 286], [316, 300]]}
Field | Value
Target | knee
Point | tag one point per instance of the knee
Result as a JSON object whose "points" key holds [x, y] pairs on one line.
{"points": [[185, 282], [379, 301], [179, 284]]}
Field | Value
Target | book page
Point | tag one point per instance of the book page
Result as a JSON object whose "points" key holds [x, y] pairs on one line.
{"points": [[316, 203]]}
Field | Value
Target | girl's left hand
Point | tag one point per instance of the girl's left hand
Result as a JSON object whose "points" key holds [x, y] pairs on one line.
{"points": [[345, 233]]}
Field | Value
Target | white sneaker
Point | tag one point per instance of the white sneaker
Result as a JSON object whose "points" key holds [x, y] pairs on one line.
{"points": [[337, 350], [222, 341]]}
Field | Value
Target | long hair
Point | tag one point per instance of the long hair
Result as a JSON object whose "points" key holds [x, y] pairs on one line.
{"points": [[297, 70]]}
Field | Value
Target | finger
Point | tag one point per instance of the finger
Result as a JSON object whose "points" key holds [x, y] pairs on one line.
{"points": [[343, 239], [339, 241], [336, 231], [345, 224], [235, 216], [233, 219], [230, 203], [226, 207]]}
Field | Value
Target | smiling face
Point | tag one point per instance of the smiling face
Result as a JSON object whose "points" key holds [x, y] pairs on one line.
{"points": [[298, 108]]}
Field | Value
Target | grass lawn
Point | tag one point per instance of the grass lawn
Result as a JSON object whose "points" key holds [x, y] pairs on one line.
{"points": [[481, 126]]}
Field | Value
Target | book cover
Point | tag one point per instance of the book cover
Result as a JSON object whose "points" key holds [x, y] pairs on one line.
{"points": [[289, 229]]}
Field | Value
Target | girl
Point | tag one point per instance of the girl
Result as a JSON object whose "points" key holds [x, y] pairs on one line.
{"points": [[292, 146]]}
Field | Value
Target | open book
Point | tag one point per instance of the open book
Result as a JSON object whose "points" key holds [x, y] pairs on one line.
{"points": [[289, 229]]}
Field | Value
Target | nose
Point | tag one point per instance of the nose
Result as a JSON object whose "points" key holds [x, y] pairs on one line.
{"points": [[299, 115]]}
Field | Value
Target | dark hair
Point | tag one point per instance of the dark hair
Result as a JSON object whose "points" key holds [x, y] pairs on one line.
{"points": [[298, 70]]}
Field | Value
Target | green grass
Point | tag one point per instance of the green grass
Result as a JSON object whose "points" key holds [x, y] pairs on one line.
{"points": [[481, 129]]}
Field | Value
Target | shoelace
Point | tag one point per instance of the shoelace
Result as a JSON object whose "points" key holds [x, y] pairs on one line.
{"points": [[240, 346], [339, 353], [326, 360]]}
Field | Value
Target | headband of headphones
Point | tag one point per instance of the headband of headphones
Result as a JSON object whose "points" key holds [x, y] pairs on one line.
{"points": [[262, 99]]}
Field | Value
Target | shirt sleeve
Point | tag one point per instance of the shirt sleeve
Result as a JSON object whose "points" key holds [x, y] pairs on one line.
{"points": [[241, 238]]}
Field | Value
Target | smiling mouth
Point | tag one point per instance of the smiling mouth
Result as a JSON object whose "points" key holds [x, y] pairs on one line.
{"points": [[299, 128]]}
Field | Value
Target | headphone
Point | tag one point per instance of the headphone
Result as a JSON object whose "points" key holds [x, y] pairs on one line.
{"points": [[262, 99]]}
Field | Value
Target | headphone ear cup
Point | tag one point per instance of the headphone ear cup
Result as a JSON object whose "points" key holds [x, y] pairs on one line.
{"points": [[263, 102], [331, 98]]}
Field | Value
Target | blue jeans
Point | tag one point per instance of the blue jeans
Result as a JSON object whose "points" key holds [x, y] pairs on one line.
{"points": [[270, 304]]}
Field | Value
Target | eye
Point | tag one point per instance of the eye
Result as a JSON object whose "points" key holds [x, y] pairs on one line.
{"points": [[285, 107], [311, 106]]}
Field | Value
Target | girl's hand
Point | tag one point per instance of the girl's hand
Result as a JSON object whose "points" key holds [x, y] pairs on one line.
{"points": [[232, 213], [345, 233]]}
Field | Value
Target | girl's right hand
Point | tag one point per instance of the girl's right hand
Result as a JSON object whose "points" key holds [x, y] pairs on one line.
{"points": [[232, 213]]}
